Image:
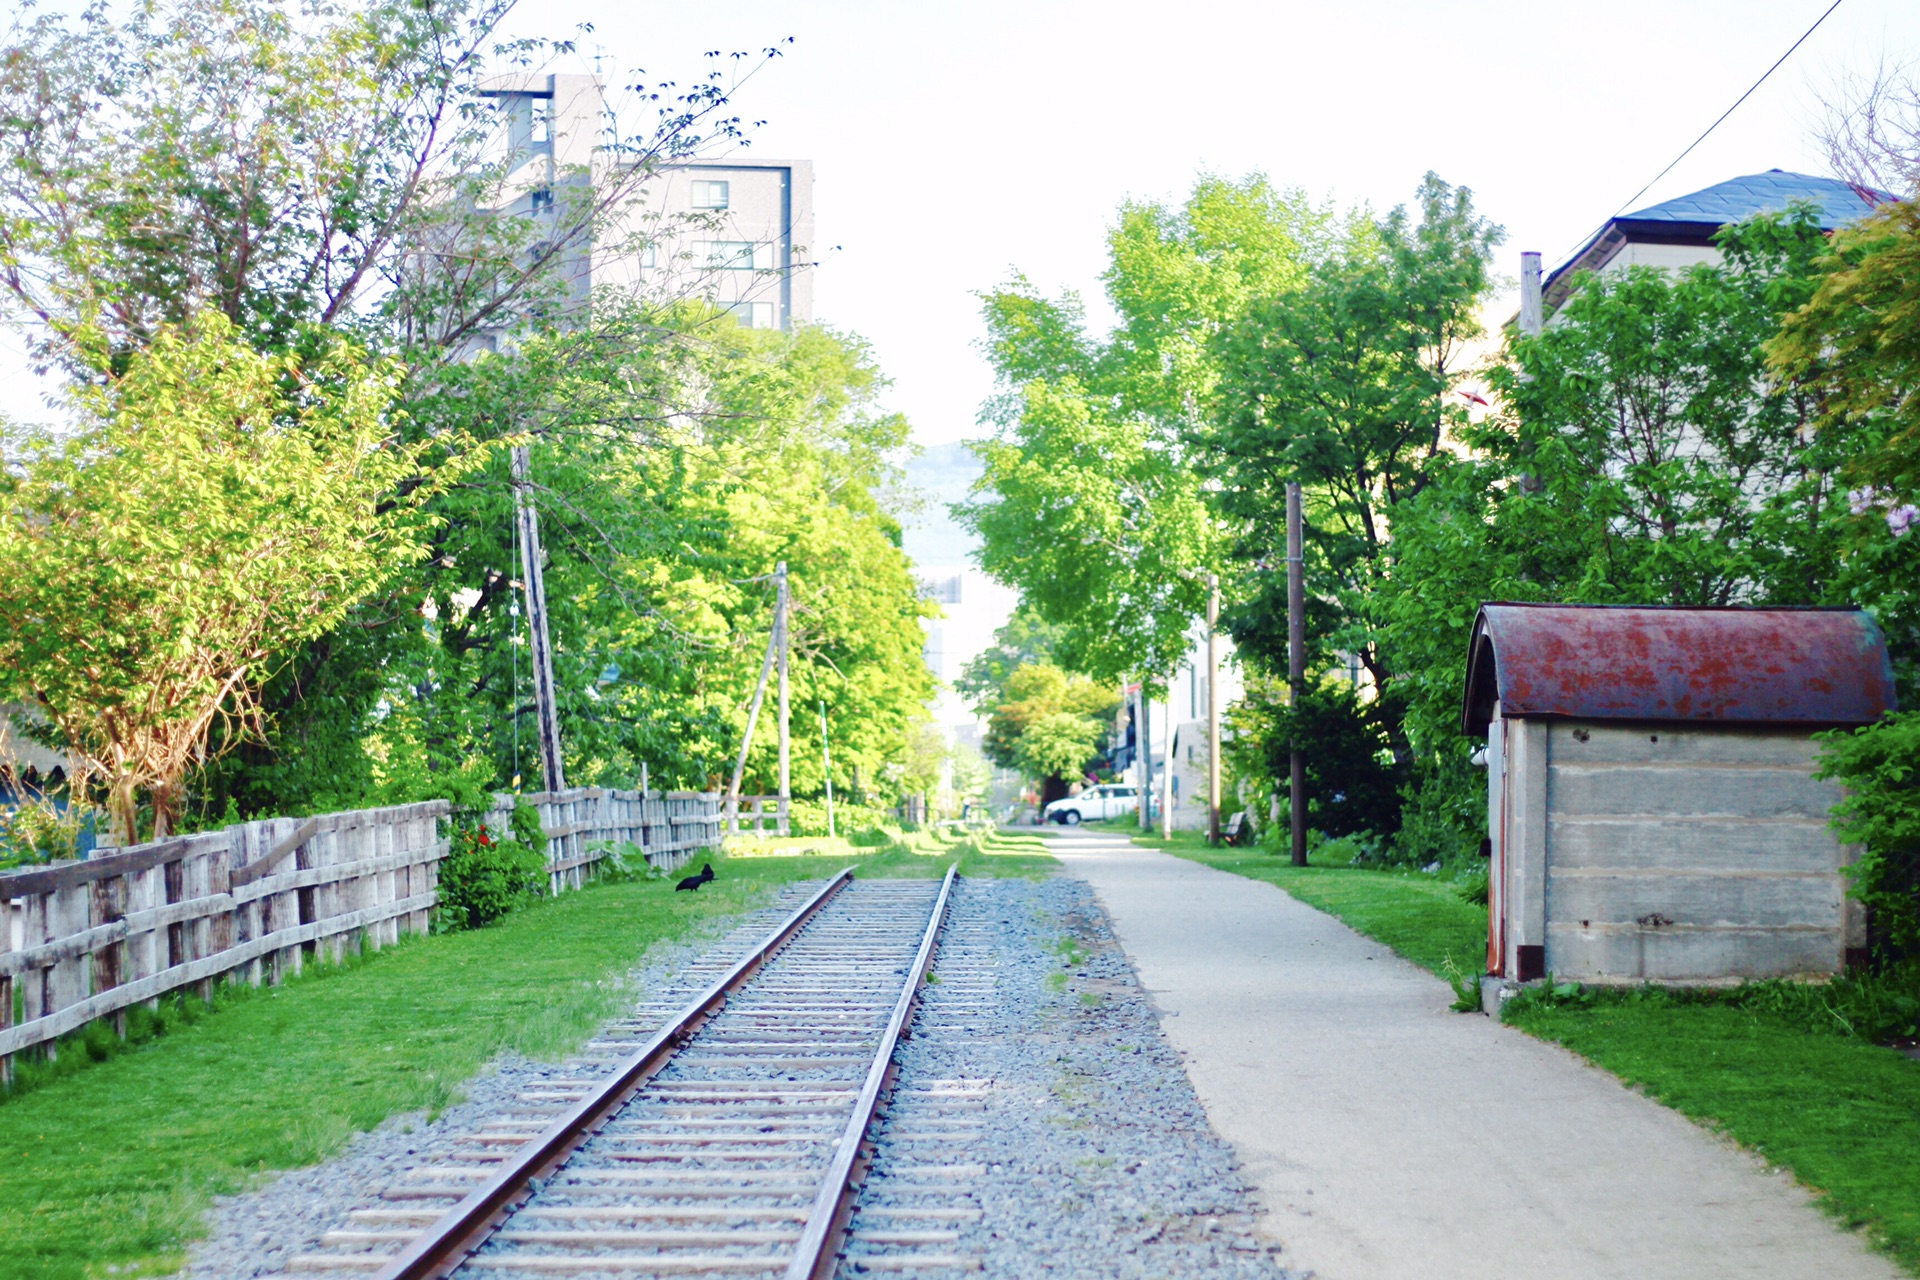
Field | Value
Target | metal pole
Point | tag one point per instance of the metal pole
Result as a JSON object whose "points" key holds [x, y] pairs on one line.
{"points": [[546, 712], [780, 625], [1296, 673], [826, 760], [1166, 772]]}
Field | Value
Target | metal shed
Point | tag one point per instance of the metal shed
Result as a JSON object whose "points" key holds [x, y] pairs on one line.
{"points": [[1651, 805]]}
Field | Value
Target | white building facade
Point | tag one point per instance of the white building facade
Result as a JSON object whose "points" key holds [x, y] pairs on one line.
{"points": [[732, 230]]}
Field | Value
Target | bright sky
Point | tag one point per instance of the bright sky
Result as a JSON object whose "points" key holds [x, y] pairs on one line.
{"points": [[954, 143]]}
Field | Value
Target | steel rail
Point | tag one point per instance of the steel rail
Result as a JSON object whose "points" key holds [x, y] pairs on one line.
{"points": [[815, 1256], [447, 1245]]}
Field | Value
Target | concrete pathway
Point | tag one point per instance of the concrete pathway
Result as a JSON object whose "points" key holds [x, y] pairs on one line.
{"points": [[1392, 1138]]}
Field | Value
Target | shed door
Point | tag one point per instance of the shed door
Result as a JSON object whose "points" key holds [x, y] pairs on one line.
{"points": [[1497, 834]]}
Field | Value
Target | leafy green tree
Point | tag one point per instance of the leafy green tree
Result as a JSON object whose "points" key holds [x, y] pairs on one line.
{"points": [[1353, 781], [675, 459], [1026, 638], [335, 164], [214, 508], [1640, 455], [1880, 811], [338, 170], [1089, 505], [1345, 383], [1051, 726], [1854, 346]]}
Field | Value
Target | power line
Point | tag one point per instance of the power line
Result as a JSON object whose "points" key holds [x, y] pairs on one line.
{"points": [[1710, 128]]}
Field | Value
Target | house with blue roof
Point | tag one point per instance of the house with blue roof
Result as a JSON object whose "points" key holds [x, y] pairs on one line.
{"points": [[1678, 233]]}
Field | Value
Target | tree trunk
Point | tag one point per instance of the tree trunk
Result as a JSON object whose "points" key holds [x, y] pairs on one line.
{"points": [[123, 813], [169, 797]]}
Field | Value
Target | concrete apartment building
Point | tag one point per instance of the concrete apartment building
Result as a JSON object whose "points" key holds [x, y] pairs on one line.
{"points": [[733, 230]]}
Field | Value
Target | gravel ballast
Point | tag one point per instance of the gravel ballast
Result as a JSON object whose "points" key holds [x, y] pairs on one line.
{"points": [[1099, 1161], [254, 1234], [1084, 1151]]}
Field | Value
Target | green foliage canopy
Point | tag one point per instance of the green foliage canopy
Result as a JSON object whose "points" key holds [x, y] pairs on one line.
{"points": [[1052, 723], [1089, 505], [216, 508], [675, 459], [1346, 384], [1641, 455]]}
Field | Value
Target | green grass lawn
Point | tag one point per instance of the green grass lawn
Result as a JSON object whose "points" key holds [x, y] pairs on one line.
{"points": [[1841, 1114], [1421, 917], [107, 1167]]}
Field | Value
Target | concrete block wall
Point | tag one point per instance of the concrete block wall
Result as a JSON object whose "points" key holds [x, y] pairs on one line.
{"points": [[1690, 854]]}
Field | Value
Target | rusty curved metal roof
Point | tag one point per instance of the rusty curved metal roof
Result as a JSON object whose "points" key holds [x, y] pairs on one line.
{"points": [[1811, 667]]}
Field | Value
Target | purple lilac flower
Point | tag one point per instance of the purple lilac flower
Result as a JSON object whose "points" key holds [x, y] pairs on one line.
{"points": [[1901, 518]]}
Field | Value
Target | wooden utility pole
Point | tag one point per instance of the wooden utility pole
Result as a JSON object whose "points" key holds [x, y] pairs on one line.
{"points": [[1296, 674], [753, 712], [780, 630], [545, 710], [826, 761], [1213, 708]]}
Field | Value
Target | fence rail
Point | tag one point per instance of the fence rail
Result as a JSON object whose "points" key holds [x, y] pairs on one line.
{"points": [[85, 940], [91, 939], [759, 811], [587, 824]]}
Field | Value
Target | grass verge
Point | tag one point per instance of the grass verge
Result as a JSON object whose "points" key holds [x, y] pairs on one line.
{"points": [[1421, 917], [1841, 1114], [108, 1167]]}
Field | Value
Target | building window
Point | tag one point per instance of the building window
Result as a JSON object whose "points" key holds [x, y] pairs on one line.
{"points": [[710, 195], [737, 255], [543, 200], [752, 315], [541, 123], [942, 590], [648, 256]]}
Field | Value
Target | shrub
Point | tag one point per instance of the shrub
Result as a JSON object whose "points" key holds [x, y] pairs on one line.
{"points": [[1475, 886], [37, 829], [809, 817], [1883, 1007], [484, 878], [1353, 781], [1880, 767]]}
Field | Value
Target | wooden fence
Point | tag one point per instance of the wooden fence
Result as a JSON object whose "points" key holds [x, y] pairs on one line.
{"points": [[90, 939], [586, 824], [758, 811], [246, 903]]}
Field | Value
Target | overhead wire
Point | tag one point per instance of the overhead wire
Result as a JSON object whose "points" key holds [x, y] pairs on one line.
{"points": [[1778, 62]]}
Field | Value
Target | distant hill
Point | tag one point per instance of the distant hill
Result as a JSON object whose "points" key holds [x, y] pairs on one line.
{"points": [[941, 475]]}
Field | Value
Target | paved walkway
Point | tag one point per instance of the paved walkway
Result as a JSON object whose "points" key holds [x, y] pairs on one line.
{"points": [[1393, 1139]]}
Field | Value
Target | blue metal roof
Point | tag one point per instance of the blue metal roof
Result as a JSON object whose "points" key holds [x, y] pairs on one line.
{"points": [[1738, 198], [1696, 218]]}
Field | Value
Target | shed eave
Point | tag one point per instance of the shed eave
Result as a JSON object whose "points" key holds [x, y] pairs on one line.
{"points": [[1798, 668]]}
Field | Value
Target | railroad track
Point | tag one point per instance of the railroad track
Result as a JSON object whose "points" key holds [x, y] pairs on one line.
{"points": [[733, 1139]]}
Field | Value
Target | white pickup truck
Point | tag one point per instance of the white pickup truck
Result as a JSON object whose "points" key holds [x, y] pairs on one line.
{"points": [[1109, 800]]}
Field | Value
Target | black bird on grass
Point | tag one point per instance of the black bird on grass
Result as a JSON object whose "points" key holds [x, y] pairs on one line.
{"points": [[692, 883]]}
